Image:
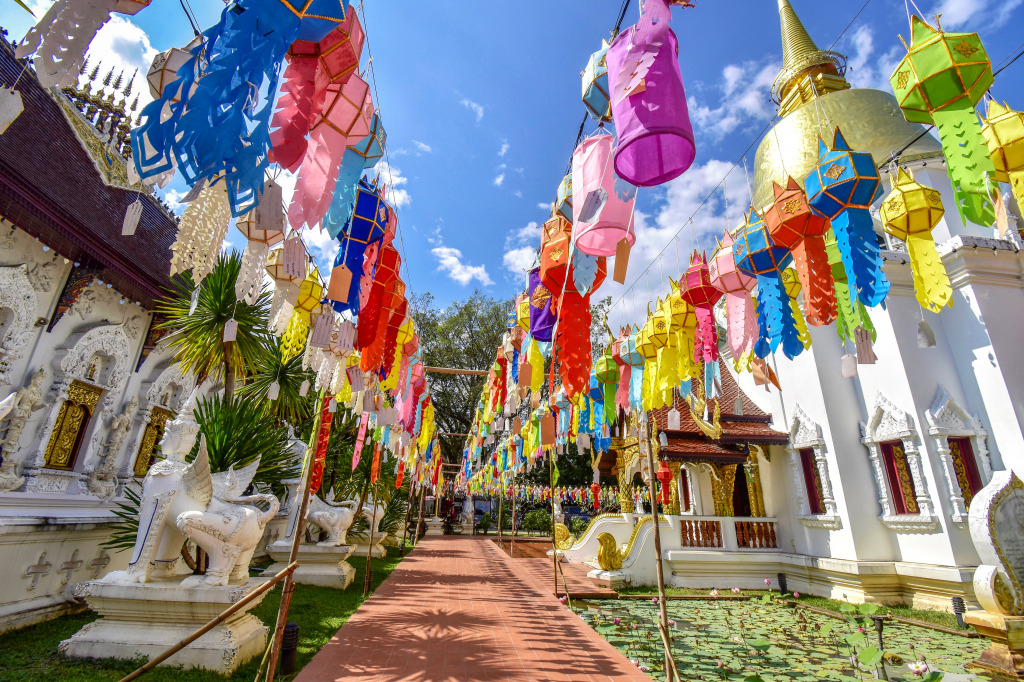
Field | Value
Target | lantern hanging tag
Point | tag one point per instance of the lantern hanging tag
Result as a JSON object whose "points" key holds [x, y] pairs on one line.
{"points": [[293, 257], [230, 330], [865, 353], [583, 441], [621, 260], [11, 107], [274, 391], [925, 335], [304, 388], [672, 420], [849, 366], [131, 218]]}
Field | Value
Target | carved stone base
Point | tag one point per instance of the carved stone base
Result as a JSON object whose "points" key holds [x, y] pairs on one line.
{"points": [[613, 580], [318, 564], [361, 548], [435, 526], [51, 481], [146, 620], [1006, 655], [392, 541]]}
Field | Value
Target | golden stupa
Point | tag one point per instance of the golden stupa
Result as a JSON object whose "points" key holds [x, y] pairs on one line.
{"points": [[814, 97]]}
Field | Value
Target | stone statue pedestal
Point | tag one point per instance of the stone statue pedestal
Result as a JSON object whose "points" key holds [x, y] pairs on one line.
{"points": [[377, 551], [435, 526], [613, 580], [322, 565], [1006, 655], [146, 620]]}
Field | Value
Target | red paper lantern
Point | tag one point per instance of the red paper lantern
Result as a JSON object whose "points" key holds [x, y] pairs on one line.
{"points": [[794, 226], [595, 489], [665, 478], [696, 289]]}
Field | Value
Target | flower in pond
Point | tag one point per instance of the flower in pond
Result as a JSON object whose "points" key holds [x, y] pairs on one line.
{"points": [[671, 622], [654, 601], [713, 593], [616, 621], [911, 647], [735, 590], [635, 661], [919, 668], [796, 595], [720, 664], [768, 582], [644, 669], [861, 630], [561, 599]]}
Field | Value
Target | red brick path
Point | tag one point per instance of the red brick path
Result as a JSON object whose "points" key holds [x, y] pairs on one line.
{"points": [[457, 608]]}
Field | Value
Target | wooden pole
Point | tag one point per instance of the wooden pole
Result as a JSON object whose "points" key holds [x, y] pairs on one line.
{"points": [[300, 530], [551, 488], [512, 545], [237, 606], [419, 521], [369, 549], [408, 513], [501, 508], [652, 484]]}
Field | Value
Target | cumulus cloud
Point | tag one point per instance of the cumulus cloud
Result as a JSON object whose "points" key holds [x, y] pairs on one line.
{"points": [[450, 262], [864, 68], [518, 194], [499, 179], [477, 109], [544, 206], [423, 147], [745, 91], [124, 47], [392, 177], [504, 148], [521, 251], [975, 13]]}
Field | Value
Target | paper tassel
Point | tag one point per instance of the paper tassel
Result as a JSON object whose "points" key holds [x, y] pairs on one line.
{"points": [[230, 330], [584, 271], [775, 319], [11, 107], [791, 281], [250, 275], [815, 275], [131, 218]]}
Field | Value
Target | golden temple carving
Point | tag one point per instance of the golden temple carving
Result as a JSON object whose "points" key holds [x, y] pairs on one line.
{"points": [[152, 434], [673, 489], [69, 428], [609, 556], [563, 538], [723, 482]]}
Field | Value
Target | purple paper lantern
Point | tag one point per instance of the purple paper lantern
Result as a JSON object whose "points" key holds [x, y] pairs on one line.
{"points": [[648, 101], [542, 316]]}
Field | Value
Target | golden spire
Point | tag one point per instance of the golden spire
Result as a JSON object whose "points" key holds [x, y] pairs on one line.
{"points": [[802, 59]]}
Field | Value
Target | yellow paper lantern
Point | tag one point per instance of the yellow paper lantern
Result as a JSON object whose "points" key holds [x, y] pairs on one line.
{"points": [[1004, 132]]}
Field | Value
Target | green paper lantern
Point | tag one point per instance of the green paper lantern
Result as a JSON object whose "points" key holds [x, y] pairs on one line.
{"points": [[942, 78]]}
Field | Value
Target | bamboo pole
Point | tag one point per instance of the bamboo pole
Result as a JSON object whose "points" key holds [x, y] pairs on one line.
{"points": [[300, 530], [501, 509], [551, 488], [512, 542], [652, 484], [260, 590], [408, 513], [419, 521], [369, 549]]}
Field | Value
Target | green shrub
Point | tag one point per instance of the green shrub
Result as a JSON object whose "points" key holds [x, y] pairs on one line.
{"points": [[538, 520], [485, 522], [577, 526]]}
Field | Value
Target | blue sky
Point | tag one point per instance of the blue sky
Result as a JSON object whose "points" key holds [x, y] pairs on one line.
{"points": [[481, 103]]}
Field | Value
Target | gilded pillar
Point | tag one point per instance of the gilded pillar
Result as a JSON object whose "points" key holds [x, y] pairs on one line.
{"points": [[625, 500], [154, 431], [723, 483], [754, 490], [673, 489]]}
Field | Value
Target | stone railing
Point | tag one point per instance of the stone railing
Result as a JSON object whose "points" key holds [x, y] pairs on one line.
{"points": [[727, 533]]}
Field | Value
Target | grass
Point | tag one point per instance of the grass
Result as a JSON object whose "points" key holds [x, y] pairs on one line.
{"points": [[929, 616], [30, 654]]}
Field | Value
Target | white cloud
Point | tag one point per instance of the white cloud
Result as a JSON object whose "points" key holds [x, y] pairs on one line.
{"points": [[477, 109], [394, 180], [862, 70], [425, 148], [518, 194], [504, 148], [544, 206], [124, 47], [975, 13], [521, 251], [745, 99], [499, 179], [173, 198], [450, 261], [519, 261]]}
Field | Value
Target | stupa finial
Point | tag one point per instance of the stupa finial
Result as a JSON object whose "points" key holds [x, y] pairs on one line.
{"points": [[802, 58]]}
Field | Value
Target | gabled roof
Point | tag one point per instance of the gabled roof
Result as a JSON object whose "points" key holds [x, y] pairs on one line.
{"points": [[51, 188]]}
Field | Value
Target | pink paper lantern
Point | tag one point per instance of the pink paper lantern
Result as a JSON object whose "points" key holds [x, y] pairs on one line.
{"points": [[739, 306], [698, 291], [649, 102], [602, 209]]}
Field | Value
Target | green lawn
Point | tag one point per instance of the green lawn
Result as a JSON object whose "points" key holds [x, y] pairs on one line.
{"points": [[30, 654]]}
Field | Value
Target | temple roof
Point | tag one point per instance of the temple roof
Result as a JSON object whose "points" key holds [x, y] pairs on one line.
{"points": [[64, 195]]}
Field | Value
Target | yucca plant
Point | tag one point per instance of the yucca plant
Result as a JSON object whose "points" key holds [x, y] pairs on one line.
{"points": [[289, 406], [197, 337], [124, 530]]}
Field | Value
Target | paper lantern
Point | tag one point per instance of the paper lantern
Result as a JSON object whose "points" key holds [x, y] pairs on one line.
{"points": [[664, 477], [841, 186], [555, 243], [572, 338], [523, 310], [331, 60], [637, 361], [852, 313], [603, 210], [1004, 132], [563, 201], [61, 38], [595, 85], [606, 371], [385, 276], [262, 227], [366, 227], [909, 213], [683, 331], [164, 70], [697, 290], [648, 101], [619, 349], [940, 80], [740, 313], [756, 254], [793, 224], [542, 315]]}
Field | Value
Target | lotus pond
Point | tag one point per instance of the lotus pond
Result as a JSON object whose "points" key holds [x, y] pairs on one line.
{"points": [[763, 639]]}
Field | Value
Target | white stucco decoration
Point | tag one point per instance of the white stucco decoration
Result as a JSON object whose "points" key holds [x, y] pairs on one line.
{"points": [[805, 433], [18, 296], [946, 419], [888, 423], [112, 341], [169, 377]]}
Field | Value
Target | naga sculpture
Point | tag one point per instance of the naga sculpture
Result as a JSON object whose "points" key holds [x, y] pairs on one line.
{"points": [[563, 537], [335, 518], [609, 556]]}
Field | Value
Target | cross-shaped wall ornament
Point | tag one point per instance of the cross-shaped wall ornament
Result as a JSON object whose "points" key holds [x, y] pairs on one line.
{"points": [[69, 567], [101, 561], [39, 569]]}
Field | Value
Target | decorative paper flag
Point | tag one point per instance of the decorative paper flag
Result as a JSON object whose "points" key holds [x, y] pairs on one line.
{"points": [[940, 81], [316, 476], [603, 210], [360, 439], [201, 233], [649, 109], [542, 317], [909, 213], [842, 186], [852, 313]]}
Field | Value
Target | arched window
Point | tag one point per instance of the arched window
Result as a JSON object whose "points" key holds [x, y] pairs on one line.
{"points": [[960, 443]]}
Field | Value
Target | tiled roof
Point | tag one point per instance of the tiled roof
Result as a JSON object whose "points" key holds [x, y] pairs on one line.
{"points": [[50, 187]]}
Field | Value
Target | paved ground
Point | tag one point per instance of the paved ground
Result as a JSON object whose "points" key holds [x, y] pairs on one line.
{"points": [[458, 608]]}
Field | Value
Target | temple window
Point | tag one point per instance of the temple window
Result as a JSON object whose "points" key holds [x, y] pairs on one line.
{"points": [[897, 474], [807, 451], [959, 441], [684, 482], [966, 468], [812, 481], [71, 425]]}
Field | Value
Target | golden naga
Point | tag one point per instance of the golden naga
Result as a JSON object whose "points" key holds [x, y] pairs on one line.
{"points": [[563, 538], [698, 404], [609, 557]]}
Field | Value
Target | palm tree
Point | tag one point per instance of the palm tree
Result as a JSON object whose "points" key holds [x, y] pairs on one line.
{"points": [[289, 406], [197, 337]]}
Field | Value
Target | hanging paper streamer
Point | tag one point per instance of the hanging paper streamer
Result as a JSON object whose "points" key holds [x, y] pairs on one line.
{"points": [[740, 312], [791, 282], [201, 233], [683, 331], [940, 81], [603, 208], [595, 85], [851, 312], [606, 373], [842, 186], [696, 289], [756, 254], [360, 439], [1004, 132], [909, 213], [61, 38], [648, 101], [793, 225]]}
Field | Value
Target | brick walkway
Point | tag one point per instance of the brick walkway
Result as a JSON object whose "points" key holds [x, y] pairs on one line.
{"points": [[457, 608]]}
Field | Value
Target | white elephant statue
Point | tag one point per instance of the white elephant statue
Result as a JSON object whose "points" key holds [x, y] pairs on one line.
{"points": [[335, 518], [374, 515], [182, 501]]}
